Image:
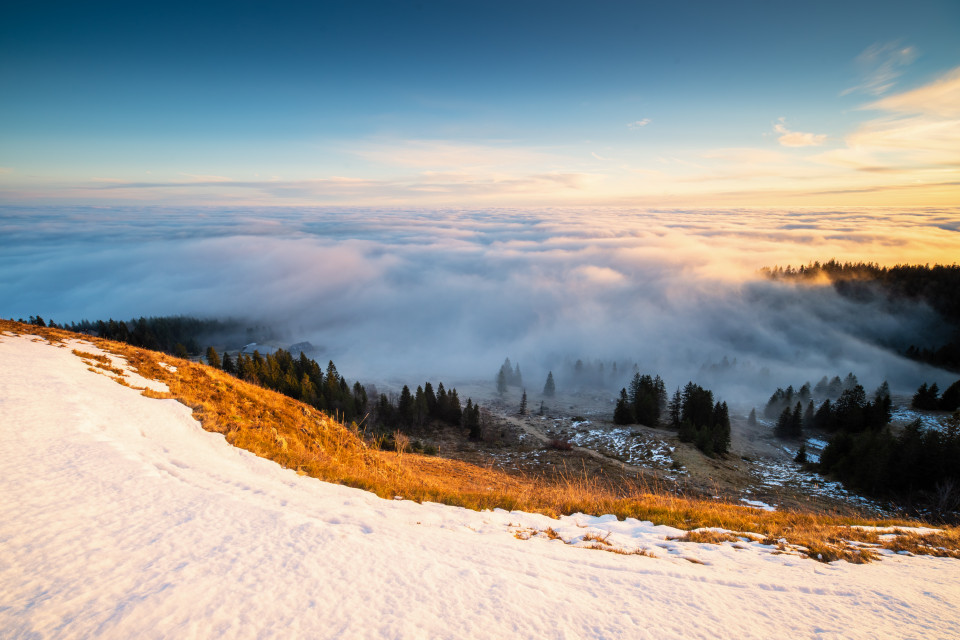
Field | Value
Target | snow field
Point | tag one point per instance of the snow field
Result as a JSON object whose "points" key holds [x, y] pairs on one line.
{"points": [[122, 518]]}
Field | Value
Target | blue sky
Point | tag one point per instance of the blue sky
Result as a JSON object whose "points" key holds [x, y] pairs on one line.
{"points": [[481, 103]]}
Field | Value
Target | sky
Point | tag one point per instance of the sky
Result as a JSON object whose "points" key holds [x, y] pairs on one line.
{"points": [[693, 104], [427, 188]]}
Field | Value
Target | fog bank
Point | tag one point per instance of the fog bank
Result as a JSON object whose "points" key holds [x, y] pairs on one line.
{"points": [[448, 294]]}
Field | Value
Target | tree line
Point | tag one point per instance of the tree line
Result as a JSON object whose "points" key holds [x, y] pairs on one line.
{"points": [[935, 285]]}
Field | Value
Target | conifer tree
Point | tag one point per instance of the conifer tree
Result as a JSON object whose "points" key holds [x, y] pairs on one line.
{"points": [[471, 419], [676, 407], [419, 407], [623, 412], [808, 416], [523, 403], [549, 388], [501, 382], [405, 407], [752, 418], [721, 428], [213, 358], [228, 366], [431, 399]]}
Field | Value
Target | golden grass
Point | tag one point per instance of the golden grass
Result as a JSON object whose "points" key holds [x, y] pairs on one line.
{"points": [[299, 437], [709, 536], [943, 544]]}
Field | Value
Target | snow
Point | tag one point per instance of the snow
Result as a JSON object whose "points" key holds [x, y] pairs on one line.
{"points": [[758, 504], [632, 447], [122, 518], [772, 475], [904, 415]]}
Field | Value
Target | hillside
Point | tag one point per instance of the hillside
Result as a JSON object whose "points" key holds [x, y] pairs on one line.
{"points": [[124, 516]]}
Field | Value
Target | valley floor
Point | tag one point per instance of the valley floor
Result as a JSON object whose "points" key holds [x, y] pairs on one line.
{"points": [[122, 518]]}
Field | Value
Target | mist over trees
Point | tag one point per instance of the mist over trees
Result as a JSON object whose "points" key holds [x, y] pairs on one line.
{"points": [[935, 286]]}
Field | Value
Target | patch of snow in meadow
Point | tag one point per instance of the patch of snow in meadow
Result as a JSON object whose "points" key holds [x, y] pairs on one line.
{"points": [[758, 504], [122, 518], [631, 447], [774, 474], [904, 415]]}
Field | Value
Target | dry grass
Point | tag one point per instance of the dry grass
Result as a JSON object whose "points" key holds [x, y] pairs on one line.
{"points": [[943, 544], [299, 437], [709, 536]]}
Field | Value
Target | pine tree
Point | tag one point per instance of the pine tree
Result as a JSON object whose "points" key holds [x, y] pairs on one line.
{"points": [[721, 428], [675, 408], [228, 366], [419, 407], [802, 454], [517, 378], [454, 413], [431, 399], [752, 418], [405, 406], [808, 416], [623, 412], [213, 358], [549, 388], [523, 403], [782, 430], [501, 382], [471, 419]]}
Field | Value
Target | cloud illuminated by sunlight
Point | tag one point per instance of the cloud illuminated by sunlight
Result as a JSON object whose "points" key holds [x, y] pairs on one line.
{"points": [[797, 138]]}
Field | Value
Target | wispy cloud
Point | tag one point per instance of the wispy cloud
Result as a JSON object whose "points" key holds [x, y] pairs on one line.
{"points": [[881, 64], [638, 124], [797, 138], [939, 98], [918, 134]]}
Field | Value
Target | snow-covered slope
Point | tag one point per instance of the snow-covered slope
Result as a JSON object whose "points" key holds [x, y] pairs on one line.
{"points": [[120, 518]]}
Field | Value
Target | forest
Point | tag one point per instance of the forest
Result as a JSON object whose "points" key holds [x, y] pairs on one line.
{"points": [[936, 286]]}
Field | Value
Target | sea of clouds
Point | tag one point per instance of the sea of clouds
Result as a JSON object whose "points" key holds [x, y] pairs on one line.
{"points": [[449, 293]]}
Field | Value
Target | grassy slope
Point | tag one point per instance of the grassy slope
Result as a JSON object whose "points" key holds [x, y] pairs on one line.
{"points": [[299, 437]]}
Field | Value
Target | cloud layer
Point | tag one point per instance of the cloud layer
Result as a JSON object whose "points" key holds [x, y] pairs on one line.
{"points": [[451, 293]]}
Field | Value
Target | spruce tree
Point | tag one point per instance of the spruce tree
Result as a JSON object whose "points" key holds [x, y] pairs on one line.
{"points": [[676, 407], [721, 428], [752, 418], [213, 358], [228, 366], [623, 412], [523, 403], [471, 421], [501, 382], [405, 406], [802, 454], [808, 416], [549, 388]]}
